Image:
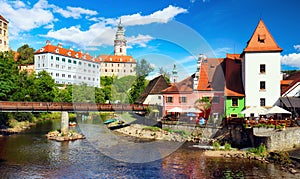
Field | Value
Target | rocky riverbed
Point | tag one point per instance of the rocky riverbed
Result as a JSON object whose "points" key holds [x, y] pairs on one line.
{"points": [[146, 132], [58, 136]]}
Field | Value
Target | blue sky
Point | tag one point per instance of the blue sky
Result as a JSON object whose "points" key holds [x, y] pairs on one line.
{"points": [[163, 32]]}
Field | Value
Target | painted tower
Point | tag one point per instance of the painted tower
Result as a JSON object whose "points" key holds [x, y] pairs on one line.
{"points": [[261, 68], [120, 41], [3, 34], [174, 74]]}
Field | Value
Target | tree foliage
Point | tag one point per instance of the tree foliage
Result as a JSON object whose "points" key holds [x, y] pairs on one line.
{"points": [[203, 104], [143, 68], [26, 55]]}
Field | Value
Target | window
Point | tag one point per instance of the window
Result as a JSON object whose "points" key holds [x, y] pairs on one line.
{"points": [[57, 58], [158, 97], [234, 102], [216, 99], [63, 59], [89, 65], [63, 75], [262, 85], [262, 68], [261, 38], [74, 61], [169, 99], [79, 63], [233, 115], [69, 61], [262, 102], [69, 76], [182, 99], [51, 57], [57, 74], [57, 65]]}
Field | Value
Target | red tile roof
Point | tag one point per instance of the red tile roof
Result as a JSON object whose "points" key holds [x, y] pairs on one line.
{"points": [[115, 59], [262, 40], [233, 76], [2, 18], [211, 75], [64, 52], [184, 86]]}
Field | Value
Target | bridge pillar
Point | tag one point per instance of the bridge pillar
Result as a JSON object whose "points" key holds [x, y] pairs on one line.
{"points": [[64, 122]]}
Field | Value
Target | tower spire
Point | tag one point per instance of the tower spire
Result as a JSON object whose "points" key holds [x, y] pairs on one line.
{"points": [[120, 41]]}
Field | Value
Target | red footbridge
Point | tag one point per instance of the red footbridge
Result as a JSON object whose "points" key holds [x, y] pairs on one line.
{"points": [[14, 106]]}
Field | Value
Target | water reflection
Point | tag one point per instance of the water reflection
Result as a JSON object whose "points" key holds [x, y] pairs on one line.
{"points": [[31, 155]]}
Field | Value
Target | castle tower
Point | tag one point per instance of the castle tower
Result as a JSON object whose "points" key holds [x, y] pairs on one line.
{"points": [[4, 46], [261, 68], [120, 41]]}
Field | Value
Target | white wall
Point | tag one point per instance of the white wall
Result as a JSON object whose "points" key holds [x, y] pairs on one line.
{"points": [[252, 78], [154, 99], [68, 73]]}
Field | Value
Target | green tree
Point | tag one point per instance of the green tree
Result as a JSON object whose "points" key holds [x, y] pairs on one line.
{"points": [[203, 104], [44, 88], [8, 75], [143, 68], [166, 74], [26, 55]]}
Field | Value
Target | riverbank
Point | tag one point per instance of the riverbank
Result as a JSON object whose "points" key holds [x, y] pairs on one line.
{"points": [[16, 128], [148, 132]]}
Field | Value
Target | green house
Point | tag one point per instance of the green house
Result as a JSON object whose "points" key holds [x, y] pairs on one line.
{"points": [[234, 92]]}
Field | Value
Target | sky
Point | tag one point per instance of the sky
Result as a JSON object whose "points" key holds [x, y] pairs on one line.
{"points": [[164, 32]]}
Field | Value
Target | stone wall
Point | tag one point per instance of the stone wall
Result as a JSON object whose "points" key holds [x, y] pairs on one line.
{"points": [[278, 139]]}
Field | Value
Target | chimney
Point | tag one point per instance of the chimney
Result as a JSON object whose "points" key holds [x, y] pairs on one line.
{"points": [[48, 42], [59, 45]]}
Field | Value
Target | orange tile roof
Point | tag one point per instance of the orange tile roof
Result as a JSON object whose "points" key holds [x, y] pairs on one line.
{"points": [[2, 18], [262, 40], [64, 52], [115, 59], [211, 75], [286, 82], [233, 76]]}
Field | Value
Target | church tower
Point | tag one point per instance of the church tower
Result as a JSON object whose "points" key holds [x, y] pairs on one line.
{"points": [[120, 41], [174, 74], [261, 68]]}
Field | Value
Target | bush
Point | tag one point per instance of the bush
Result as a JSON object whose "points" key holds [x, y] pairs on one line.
{"points": [[216, 145], [227, 146], [260, 151], [152, 128]]}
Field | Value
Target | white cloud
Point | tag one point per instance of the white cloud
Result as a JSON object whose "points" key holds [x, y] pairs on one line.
{"points": [[23, 17], [161, 16], [74, 12], [297, 47], [292, 60], [140, 40], [188, 59], [35, 16], [103, 31]]}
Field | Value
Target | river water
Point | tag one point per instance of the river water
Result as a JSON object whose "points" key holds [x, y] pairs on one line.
{"points": [[31, 155]]}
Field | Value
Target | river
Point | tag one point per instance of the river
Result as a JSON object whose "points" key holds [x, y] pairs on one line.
{"points": [[31, 155]]}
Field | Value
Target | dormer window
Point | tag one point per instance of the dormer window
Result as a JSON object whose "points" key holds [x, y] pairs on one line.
{"points": [[57, 50], [76, 55], [261, 38], [110, 59], [84, 56], [69, 53], [42, 49]]}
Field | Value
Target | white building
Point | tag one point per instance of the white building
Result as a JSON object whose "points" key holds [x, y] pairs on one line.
{"points": [[119, 64], [4, 46], [261, 68], [67, 66]]}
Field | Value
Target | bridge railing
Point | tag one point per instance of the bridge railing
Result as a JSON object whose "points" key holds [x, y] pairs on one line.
{"points": [[14, 106]]}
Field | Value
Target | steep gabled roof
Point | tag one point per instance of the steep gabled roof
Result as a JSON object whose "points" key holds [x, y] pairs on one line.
{"points": [[184, 86], [2, 18], [262, 40], [155, 86], [115, 59], [233, 76], [211, 75]]}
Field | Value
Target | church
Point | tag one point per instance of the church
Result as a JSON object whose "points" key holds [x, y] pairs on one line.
{"points": [[119, 64]]}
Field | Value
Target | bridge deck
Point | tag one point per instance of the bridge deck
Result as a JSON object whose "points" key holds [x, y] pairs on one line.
{"points": [[13, 106]]}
